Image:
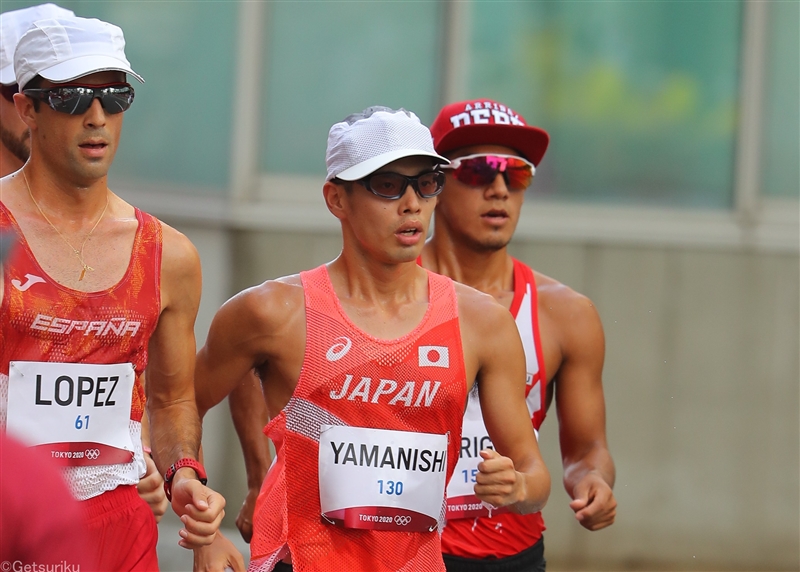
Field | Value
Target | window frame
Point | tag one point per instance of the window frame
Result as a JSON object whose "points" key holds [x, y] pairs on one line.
{"points": [[260, 201]]}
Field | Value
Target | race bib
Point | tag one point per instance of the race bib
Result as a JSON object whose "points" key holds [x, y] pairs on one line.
{"points": [[461, 499], [80, 413], [381, 479]]}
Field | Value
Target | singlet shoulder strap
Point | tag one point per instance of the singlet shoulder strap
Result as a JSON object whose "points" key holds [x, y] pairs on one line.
{"points": [[442, 290], [317, 288], [523, 275]]}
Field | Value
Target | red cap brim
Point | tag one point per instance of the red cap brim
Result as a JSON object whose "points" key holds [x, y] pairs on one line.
{"points": [[530, 141]]}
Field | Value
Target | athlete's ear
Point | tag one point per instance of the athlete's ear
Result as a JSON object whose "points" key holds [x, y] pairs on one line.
{"points": [[25, 109], [335, 198]]}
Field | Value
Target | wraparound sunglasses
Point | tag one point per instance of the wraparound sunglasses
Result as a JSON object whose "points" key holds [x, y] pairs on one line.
{"points": [[76, 99], [480, 170]]}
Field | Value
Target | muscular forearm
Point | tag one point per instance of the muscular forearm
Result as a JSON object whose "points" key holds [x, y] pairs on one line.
{"points": [[174, 432], [250, 415]]}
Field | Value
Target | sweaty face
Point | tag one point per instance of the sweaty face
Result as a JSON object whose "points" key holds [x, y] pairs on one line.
{"points": [[481, 218], [391, 231], [14, 134], [80, 147]]}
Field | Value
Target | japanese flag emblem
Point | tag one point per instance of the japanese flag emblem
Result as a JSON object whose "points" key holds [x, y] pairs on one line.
{"points": [[434, 356]]}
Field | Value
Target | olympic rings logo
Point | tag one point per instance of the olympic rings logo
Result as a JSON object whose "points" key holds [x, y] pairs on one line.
{"points": [[402, 520], [92, 454]]}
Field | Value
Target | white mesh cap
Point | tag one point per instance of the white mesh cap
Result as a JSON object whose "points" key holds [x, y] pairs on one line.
{"points": [[15, 23], [64, 49], [370, 139]]}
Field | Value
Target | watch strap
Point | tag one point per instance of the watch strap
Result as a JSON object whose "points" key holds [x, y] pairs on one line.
{"points": [[185, 462]]}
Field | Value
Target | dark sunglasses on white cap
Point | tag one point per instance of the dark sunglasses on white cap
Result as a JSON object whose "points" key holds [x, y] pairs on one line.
{"points": [[389, 185], [77, 99]]}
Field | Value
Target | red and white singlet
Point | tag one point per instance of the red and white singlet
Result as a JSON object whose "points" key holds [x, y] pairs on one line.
{"points": [[71, 362], [366, 444], [471, 531]]}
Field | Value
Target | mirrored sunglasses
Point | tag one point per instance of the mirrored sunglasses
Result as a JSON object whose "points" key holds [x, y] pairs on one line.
{"points": [[480, 170], [77, 99], [393, 185]]}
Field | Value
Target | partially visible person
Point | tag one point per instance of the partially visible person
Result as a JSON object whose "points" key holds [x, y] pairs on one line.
{"points": [[14, 135], [97, 293], [41, 525], [366, 363], [494, 154], [15, 150]]}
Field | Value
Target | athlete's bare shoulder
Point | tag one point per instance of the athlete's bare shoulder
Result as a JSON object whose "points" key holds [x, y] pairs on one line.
{"points": [[178, 252], [264, 310], [264, 324], [476, 305], [181, 276], [487, 328], [568, 316]]}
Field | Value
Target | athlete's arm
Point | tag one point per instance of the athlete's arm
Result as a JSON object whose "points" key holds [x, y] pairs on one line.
{"points": [[151, 485], [588, 468], [220, 556], [174, 422], [250, 416], [513, 474], [252, 329]]}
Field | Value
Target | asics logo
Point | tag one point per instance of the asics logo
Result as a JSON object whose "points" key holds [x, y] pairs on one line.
{"points": [[402, 520], [338, 350], [92, 453], [31, 280]]}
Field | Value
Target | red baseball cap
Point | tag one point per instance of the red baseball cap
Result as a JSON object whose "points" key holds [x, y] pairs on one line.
{"points": [[483, 121]]}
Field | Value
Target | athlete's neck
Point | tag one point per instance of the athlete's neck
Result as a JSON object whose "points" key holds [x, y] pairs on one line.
{"points": [[371, 281], [490, 271], [75, 201], [8, 162]]}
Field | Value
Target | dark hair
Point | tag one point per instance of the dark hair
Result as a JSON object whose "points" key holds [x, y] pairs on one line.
{"points": [[35, 83], [8, 91], [348, 185]]}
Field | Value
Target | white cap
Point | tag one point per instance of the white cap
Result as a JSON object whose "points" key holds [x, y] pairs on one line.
{"points": [[15, 23], [68, 48], [366, 141]]}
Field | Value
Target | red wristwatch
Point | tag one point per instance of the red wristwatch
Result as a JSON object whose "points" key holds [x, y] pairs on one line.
{"points": [[191, 463]]}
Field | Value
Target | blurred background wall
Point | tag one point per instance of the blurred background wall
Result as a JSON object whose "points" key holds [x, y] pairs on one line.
{"points": [[670, 195]]}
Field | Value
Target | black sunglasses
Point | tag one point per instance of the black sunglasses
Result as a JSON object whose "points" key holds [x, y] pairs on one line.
{"points": [[390, 185], [77, 99]]}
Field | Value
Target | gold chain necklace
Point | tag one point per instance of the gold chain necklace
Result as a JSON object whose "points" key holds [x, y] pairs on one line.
{"points": [[78, 253]]}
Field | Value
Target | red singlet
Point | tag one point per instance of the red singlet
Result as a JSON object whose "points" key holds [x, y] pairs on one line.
{"points": [[45, 322], [412, 387], [506, 533]]}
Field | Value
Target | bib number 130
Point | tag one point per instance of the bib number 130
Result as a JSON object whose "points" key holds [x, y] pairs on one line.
{"points": [[390, 487]]}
